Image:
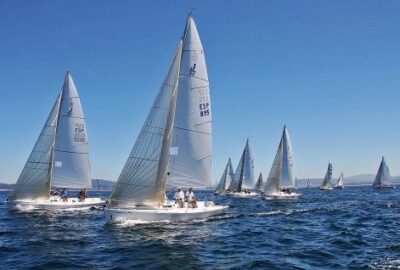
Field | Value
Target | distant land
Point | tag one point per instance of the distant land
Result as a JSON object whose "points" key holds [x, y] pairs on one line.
{"points": [[356, 180], [97, 184]]}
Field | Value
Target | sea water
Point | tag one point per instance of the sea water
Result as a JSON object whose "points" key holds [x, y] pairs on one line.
{"points": [[353, 228]]}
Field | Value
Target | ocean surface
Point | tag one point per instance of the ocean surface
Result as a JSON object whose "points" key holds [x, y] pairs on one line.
{"points": [[354, 228]]}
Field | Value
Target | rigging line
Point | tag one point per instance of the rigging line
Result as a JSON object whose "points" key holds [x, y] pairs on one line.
{"points": [[71, 152], [194, 131], [192, 76], [70, 116]]}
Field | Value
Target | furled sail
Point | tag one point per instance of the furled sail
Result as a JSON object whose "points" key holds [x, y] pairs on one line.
{"points": [[260, 183], [34, 181], [244, 174], [191, 153], [287, 174], [71, 164], [144, 176], [328, 177], [273, 184], [225, 179], [383, 176]]}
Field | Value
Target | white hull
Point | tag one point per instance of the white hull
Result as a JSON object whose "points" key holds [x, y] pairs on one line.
{"points": [[242, 194], [55, 203], [172, 213], [282, 195], [326, 188]]}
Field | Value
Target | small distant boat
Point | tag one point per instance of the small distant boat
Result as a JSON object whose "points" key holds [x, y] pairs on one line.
{"points": [[225, 180], [59, 159], [308, 183], [340, 184], [326, 183], [259, 187], [243, 179], [173, 147], [281, 176], [382, 179]]}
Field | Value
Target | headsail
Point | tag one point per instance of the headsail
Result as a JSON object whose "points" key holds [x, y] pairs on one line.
{"points": [[71, 165], [273, 184], [260, 183], [143, 178], [244, 174], [287, 174], [34, 181], [383, 175], [340, 181], [225, 179], [328, 177], [191, 155]]}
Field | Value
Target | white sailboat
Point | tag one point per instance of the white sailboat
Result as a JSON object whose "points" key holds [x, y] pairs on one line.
{"points": [[281, 175], [326, 183], [340, 184], [259, 187], [243, 179], [308, 183], [174, 145], [59, 159], [225, 180], [382, 179]]}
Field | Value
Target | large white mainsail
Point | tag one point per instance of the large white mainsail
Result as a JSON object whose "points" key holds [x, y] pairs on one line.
{"points": [[383, 175], [326, 183], [143, 178], [71, 164], [191, 153], [226, 178], [340, 181], [35, 178], [260, 183], [287, 173]]}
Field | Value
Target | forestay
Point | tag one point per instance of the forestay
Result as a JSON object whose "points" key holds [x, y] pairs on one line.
{"points": [[191, 155], [71, 165], [34, 181], [143, 178]]}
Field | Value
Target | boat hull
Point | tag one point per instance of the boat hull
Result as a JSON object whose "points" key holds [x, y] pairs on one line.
{"points": [[282, 195], [55, 204], [242, 194], [326, 188], [173, 213]]}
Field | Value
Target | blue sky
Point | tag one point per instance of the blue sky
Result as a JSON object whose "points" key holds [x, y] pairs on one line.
{"points": [[328, 69]]}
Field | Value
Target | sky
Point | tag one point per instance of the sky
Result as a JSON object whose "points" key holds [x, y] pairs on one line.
{"points": [[329, 70]]}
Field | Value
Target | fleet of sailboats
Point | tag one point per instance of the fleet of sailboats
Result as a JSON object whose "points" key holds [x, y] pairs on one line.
{"points": [[281, 176], [59, 159], [176, 121]]}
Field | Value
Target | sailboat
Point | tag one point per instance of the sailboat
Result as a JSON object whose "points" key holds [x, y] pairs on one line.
{"points": [[259, 187], [340, 184], [281, 175], [59, 159], [326, 183], [308, 183], [243, 179], [382, 179], [174, 146], [225, 180]]}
